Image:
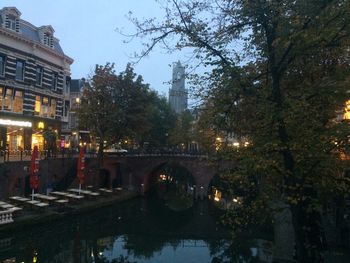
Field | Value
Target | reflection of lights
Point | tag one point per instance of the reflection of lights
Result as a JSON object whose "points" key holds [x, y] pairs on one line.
{"points": [[162, 177], [217, 195], [35, 258], [237, 200], [100, 253]]}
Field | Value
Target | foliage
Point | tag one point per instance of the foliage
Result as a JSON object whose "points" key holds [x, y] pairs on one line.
{"points": [[279, 77], [182, 133], [120, 107]]}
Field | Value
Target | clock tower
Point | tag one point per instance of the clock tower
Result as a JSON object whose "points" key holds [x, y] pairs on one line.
{"points": [[177, 92]]}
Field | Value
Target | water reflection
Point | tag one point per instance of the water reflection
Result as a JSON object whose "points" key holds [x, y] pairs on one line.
{"points": [[136, 231]]}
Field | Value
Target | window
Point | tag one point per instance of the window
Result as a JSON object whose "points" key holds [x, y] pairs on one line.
{"points": [[39, 76], [2, 65], [48, 39], [66, 108], [54, 81], [11, 22], [45, 107], [53, 108], [37, 107], [20, 70], [8, 100], [18, 102], [2, 90]]}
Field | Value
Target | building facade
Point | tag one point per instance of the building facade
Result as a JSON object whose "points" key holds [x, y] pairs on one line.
{"points": [[177, 92], [34, 78]]}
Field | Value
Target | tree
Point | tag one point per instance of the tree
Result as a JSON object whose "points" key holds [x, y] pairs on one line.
{"points": [[98, 110], [162, 119], [182, 133], [280, 75]]}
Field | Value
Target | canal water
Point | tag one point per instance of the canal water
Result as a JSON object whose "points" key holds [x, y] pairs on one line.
{"points": [[140, 230]]}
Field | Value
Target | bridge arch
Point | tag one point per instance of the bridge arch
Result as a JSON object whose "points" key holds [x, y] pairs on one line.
{"points": [[171, 169], [142, 166]]}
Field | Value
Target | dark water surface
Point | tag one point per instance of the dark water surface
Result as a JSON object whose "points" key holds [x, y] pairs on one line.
{"points": [[140, 230]]}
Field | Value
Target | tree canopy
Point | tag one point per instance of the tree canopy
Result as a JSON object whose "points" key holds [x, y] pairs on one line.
{"points": [[279, 77]]}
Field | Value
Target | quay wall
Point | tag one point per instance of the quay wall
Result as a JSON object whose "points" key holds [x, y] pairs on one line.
{"points": [[14, 176]]}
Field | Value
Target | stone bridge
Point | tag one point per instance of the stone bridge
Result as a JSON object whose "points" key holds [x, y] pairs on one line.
{"points": [[129, 171], [138, 170]]}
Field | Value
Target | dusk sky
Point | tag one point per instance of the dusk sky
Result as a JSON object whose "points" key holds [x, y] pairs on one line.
{"points": [[87, 33]]}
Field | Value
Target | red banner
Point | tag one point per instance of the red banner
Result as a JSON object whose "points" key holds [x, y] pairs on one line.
{"points": [[34, 169], [81, 166]]}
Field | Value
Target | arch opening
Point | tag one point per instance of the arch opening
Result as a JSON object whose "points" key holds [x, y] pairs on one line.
{"points": [[173, 184]]}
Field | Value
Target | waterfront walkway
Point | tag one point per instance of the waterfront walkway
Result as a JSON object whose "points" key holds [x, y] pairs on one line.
{"points": [[29, 214]]}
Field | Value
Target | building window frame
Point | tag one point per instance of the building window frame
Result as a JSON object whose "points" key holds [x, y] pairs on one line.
{"points": [[20, 69], [11, 22], [39, 76], [2, 65], [54, 80]]}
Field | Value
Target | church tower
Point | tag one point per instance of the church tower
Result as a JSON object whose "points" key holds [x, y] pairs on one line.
{"points": [[177, 92]]}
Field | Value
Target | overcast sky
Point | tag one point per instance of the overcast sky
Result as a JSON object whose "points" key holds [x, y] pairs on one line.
{"points": [[87, 33]]}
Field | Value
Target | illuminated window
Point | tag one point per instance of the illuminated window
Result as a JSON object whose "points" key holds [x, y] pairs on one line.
{"points": [[346, 115], [18, 102], [8, 100], [37, 107], [45, 107]]}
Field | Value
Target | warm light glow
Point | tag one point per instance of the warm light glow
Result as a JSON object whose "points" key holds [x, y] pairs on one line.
{"points": [[162, 177], [346, 115], [236, 144], [41, 125], [246, 144], [77, 100], [217, 195], [15, 123]]}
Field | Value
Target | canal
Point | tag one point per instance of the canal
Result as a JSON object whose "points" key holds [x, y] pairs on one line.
{"points": [[139, 230]]}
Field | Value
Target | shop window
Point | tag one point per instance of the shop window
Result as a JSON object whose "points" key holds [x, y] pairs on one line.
{"points": [[53, 108], [8, 100], [37, 107], [18, 102]]}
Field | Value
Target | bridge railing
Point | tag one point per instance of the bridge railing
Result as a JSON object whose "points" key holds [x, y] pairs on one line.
{"points": [[25, 155]]}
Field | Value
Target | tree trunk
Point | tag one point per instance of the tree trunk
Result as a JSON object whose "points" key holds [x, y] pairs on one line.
{"points": [[309, 241]]}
